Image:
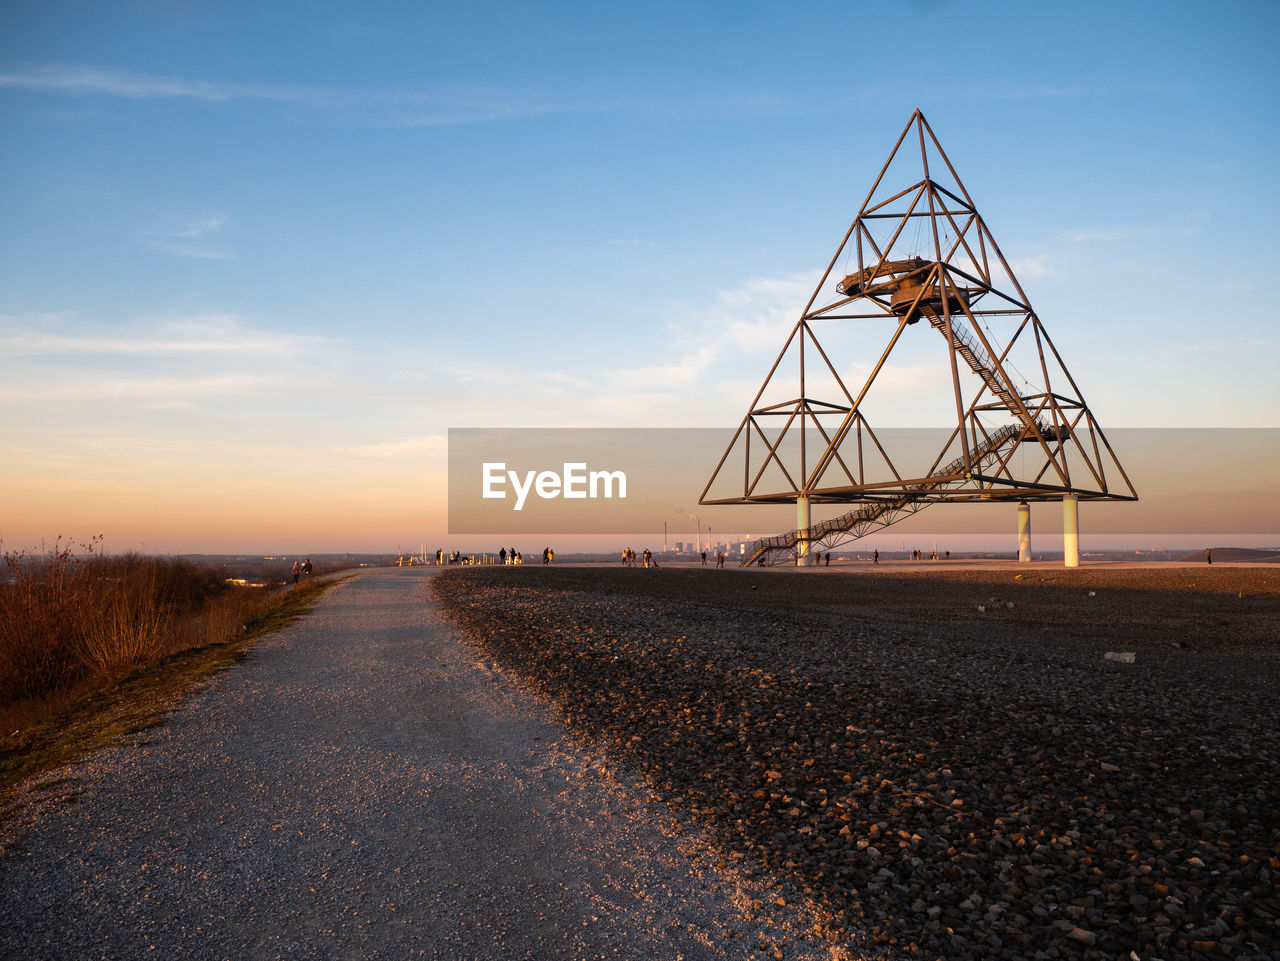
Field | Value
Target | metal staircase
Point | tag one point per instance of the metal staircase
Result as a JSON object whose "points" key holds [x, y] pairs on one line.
{"points": [[968, 347], [883, 513]]}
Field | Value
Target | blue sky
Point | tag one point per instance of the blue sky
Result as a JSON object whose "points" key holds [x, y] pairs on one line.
{"points": [[256, 259]]}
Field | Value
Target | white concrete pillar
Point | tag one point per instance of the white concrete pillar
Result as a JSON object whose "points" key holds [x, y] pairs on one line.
{"points": [[1070, 531], [802, 525], [1024, 532]]}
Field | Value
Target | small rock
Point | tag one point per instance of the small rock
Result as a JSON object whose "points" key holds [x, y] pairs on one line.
{"points": [[982, 609], [1083, 936], [1093, 593], [1109, 768], [1121, 657]]}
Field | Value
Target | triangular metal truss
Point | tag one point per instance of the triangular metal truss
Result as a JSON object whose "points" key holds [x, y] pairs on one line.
{"points": [[913, 253]]}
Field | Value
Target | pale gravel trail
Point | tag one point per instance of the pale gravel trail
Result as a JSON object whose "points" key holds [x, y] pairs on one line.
{"points": [[361, 787]]}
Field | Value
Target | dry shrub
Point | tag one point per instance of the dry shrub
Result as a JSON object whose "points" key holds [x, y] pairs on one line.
{"points": [[126, 617], [227, 615], [67, 618], [39, 601]]}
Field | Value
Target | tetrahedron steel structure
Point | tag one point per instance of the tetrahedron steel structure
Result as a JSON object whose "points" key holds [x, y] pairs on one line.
{"points": [[1019, 427]]}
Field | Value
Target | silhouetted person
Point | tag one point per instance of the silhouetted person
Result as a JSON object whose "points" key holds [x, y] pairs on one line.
{"points": [[704, 558], [297, 571], [828, 558], [875, 556], [1208, 556]]}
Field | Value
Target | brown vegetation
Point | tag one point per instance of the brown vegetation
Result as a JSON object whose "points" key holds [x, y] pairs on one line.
{"points": [[74, 618]]}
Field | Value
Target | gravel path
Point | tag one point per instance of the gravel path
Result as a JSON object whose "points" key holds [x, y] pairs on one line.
{"points": [[362, 786]]}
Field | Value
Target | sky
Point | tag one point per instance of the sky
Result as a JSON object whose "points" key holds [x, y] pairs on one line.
{"points": [[257, 259]]}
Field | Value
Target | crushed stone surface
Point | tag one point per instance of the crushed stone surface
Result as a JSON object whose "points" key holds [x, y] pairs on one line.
{"points": [[1010, 764]]}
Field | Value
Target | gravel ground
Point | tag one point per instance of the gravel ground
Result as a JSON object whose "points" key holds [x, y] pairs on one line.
{"points": [[366, 785], [950, 761]]}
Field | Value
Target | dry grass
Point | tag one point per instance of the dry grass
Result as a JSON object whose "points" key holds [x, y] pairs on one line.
{"points": [[73, 619]]}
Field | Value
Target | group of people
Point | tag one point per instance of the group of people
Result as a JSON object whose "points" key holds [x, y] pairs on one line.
{"points": [[720, 558], [505, 556], [933, 555], [646, 556], [301, 569], [548, 555]]}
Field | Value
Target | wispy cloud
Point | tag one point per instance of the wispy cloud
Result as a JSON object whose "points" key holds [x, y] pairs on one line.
{"points": [[203, 226], [1031, 268], [68, 78], [435, 445], [170, 391], [1231, 347], [405, 108], [395, 108], [27, 335], [1127, 234], [193, 238], [191, 251]]}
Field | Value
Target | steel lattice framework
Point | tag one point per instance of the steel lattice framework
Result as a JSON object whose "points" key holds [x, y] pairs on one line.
{"points": [[920, 252]]}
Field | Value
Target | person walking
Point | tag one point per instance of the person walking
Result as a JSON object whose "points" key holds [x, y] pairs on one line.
{"points": [[1208, 556], [297, 571], [704, 558], [502, 556], [875, 556]]}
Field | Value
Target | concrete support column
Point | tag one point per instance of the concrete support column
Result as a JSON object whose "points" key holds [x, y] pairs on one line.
{"points": [[802, 525], [1024, 532], [1070, 531]]}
